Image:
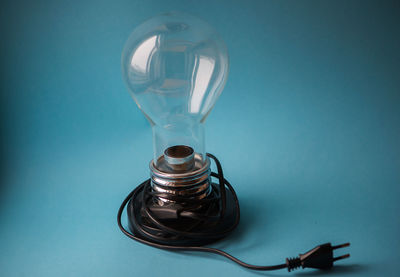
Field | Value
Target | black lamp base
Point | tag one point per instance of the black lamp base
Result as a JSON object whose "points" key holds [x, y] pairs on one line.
{"points": [[181, 223]]}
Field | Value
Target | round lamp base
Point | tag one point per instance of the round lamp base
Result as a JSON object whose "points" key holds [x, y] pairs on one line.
{"points": [[183, 223]]}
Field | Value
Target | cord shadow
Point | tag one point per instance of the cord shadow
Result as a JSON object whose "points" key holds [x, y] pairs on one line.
{"points": [[227, 261], [248, 221], [351, 268]]}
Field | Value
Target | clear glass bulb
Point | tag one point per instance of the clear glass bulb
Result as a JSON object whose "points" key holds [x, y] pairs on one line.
{"points": [[175, 66]]}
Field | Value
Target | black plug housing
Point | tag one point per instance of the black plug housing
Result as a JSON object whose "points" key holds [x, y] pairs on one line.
{"points": [[320, 257]]}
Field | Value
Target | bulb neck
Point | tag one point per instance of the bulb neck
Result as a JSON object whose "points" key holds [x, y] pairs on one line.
{"points": [[186, 132], [192, 184]]}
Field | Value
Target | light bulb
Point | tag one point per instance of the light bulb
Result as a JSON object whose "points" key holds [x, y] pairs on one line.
{"points": [[175, 66]]}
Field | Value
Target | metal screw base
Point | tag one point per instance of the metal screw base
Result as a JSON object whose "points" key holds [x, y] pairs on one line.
{"points": [[193, 184]]}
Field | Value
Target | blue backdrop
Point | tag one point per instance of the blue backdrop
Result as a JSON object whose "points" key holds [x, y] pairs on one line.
{"points": [[307, 129]]}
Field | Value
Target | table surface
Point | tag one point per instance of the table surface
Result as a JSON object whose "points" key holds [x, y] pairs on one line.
{"points": [[307, 130]]}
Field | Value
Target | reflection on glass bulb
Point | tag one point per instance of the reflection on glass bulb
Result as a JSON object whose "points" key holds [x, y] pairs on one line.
{"points": [[175, 66]]}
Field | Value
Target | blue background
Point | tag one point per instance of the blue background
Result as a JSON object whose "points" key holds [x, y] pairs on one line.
{"points": [[307, 129]]}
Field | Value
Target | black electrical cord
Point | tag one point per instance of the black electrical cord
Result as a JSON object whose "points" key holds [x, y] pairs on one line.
{"points": [[319, 257]]}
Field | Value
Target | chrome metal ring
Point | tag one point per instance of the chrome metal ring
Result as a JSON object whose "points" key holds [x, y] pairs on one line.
{"points": [[192, 184]]}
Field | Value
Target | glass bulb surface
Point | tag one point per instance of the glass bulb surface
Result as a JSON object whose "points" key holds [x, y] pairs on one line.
{"points": [[175, 66]]}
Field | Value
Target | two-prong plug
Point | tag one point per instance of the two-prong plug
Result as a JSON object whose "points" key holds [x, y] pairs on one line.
{"points": [[320, 257]]}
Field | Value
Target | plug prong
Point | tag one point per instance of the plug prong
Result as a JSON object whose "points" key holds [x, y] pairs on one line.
{"points": [[341, 257], [341, 245]]}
